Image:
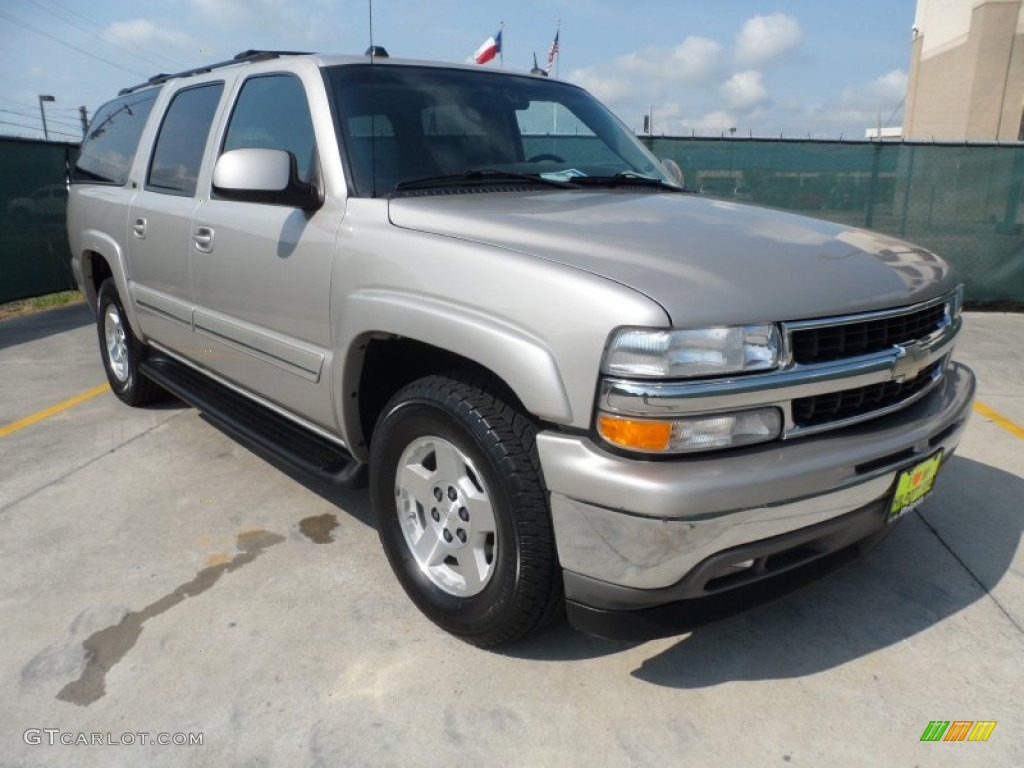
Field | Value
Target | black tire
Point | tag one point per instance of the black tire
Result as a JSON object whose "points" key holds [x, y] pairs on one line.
{"points": [[122, 355], [521, 590]]}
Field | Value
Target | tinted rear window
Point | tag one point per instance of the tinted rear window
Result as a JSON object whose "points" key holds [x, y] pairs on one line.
{"points": [[180, 144], [109, 146]]}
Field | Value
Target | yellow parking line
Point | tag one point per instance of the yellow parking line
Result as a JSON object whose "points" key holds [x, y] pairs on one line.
{"points": [[53, 410], [1014, 429]]}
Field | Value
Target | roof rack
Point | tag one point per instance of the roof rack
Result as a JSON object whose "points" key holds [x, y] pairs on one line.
{"points": [[243, 57]]}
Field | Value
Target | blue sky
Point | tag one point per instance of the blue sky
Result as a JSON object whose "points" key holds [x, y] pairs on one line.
{"points": [[795, 67]]}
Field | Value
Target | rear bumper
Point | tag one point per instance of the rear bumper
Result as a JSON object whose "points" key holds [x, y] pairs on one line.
{"points": [[639, 535]]}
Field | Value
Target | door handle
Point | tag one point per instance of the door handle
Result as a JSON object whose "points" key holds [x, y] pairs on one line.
{"points": [[139, 228], [203, 238]]}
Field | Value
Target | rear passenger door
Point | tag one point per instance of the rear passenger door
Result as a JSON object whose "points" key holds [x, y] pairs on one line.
{"points": [[160, 218], [261, 272]]}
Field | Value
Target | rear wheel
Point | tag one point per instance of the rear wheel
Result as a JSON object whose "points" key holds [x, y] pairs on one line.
{"points": [[462, 510], [121, 351]]}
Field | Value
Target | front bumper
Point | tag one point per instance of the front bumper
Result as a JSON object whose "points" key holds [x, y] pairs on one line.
{"points": [[635, 535]]}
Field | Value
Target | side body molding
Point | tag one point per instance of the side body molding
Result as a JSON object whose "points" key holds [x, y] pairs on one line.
{"points": [[520, 358]]}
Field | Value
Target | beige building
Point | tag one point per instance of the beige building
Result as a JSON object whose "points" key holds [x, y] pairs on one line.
{"points": [[966, 71]]}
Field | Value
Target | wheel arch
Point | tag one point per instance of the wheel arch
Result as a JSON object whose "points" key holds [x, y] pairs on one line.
{"points": [[400, 348], [391, 362], [102, 258]]}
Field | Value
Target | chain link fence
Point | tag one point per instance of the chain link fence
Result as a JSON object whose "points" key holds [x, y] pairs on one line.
{"points": [[961, 201], [34, 256]]}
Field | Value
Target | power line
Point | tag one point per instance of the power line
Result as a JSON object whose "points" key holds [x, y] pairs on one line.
{"points": [[34, 107], [15, 101], [39, 130], [168, 59], [55, 39], [49, 118], [97, 32]]}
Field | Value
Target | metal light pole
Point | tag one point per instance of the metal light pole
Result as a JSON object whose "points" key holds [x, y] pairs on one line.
{"points": [[42, 111]]}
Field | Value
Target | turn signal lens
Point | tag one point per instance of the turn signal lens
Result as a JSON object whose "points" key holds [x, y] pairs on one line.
{"points": [[639, 435], [692, 434]]}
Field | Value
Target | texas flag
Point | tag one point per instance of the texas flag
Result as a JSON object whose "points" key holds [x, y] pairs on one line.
{"points": [[490, 49]]}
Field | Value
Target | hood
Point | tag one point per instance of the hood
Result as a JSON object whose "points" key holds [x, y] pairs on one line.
{"points": [[706, 262]]}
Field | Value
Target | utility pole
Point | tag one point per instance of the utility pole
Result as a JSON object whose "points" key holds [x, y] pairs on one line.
{"points": [[42, 111], [84, 114]]}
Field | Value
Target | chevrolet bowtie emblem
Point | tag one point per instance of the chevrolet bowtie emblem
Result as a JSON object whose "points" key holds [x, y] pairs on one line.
{"points": [[910, 361]]}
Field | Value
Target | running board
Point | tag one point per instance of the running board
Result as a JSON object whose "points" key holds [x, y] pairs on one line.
{"points": [[257, 426]]}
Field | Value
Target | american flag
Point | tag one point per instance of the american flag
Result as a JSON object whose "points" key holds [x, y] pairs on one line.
{"points": [[553, 50]]}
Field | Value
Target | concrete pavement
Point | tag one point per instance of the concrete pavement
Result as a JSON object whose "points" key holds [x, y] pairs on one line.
{"points": [[160, 578]]}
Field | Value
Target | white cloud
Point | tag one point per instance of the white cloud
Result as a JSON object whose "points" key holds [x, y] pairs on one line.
{"points": [[765, 38], [694, 87], [646, 74], [861, 106], [886, 90], [143, 32], [273, 17], [713, 123], [607, 87], [744, 90], [674, 118], [693, 61], [631, 82]]}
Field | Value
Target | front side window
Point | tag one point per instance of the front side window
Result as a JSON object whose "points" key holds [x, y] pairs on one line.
{"points": [[113, 137], [272, 113], [180, 145]]}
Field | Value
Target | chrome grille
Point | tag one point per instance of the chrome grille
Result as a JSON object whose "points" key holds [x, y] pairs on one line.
{"points": [[838, 342], [850, 403]]}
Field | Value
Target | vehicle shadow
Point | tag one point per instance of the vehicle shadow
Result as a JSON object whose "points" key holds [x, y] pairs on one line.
{"points": [[909, 583], [21, 330]]}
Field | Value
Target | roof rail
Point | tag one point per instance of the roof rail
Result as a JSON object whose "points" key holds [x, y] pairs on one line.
{"points": [[243, 57]]}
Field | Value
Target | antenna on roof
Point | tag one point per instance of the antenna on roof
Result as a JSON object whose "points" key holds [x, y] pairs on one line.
{"points": [[372, 50]]}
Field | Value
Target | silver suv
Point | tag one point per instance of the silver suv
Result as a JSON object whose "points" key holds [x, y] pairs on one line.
{"points": [[573, 382]]}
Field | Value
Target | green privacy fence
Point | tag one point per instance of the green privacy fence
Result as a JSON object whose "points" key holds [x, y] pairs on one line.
{"points": [[961, 201], [34, 257]]}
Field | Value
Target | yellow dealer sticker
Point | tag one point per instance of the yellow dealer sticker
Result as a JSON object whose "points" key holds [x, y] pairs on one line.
{"points": [[913, 484]]}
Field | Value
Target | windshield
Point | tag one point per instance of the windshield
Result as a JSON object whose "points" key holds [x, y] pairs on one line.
{"points": [[404, 125]]}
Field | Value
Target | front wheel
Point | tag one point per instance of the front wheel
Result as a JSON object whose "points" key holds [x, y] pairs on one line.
{"points": [[121, 351], [462, 510]]}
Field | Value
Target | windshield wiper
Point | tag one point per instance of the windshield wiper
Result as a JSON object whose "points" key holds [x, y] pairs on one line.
{"points": [[626, 179], [481, 176]]}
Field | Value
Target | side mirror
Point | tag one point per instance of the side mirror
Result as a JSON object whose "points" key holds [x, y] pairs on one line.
{"points": [[674, 171], [263, 176]]}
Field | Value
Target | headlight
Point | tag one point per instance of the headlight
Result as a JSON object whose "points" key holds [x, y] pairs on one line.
{"points": [[645, 353], [703, 432]]}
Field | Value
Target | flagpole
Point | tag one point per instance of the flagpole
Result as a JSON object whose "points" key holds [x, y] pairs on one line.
{"points": [[501, 49], [558, 58], [558, 61]]}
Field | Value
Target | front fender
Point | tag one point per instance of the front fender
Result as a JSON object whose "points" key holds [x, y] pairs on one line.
{"points": [[518, 357]]}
